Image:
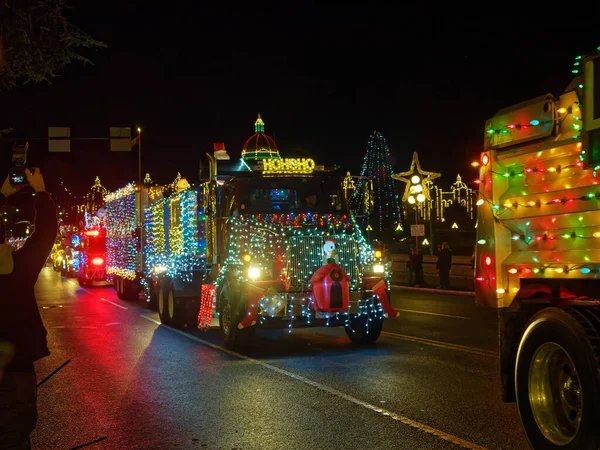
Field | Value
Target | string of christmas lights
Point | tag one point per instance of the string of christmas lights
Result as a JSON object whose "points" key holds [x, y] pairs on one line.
{"points": [[268, 244], [121, 239], [522, 126], [173, 240]]}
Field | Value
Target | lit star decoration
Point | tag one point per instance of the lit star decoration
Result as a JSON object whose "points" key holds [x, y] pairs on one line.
{"points": [[425, 178], [121, 240], [377, 167]]}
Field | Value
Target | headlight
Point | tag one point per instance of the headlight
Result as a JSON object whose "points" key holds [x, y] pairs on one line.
{"points": [[378, 268], [253, 273], [378, 254], [160, 269]]}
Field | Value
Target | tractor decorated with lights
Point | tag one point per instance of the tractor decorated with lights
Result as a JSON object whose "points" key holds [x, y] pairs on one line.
{"points": [[272, 246]]}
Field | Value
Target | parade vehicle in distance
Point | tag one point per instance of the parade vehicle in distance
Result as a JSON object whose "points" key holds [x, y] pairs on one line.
{"points": [[92, 258], [538, 258]]}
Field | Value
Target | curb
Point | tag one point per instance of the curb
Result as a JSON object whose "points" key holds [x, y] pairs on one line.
{"points": [[435, 291]]}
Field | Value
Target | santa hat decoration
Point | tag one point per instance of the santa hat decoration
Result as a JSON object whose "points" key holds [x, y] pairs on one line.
{"points": [[220, 152]]}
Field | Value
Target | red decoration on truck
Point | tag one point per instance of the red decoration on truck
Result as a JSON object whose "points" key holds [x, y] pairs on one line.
{"points": [[330, 288]]}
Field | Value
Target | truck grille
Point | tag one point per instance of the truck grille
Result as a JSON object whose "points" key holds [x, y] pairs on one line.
{"points": [[306, 256]]}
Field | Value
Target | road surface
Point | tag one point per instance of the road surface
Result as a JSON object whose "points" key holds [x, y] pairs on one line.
{"points": [[431, 382]]}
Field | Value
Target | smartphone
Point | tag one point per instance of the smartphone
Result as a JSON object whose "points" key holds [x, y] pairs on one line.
{"points": [[18, 177], [19, 159]]}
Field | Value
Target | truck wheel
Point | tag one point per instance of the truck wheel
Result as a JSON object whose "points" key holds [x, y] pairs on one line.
{"points": [[152, 292], [231, 310], [174, 307], [192, 312], [364, 331], [130, 289], [556, 379], [119, 288], [162, 303]]}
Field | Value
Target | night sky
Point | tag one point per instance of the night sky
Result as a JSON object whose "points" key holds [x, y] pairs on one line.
{"points": [[322, 77]]}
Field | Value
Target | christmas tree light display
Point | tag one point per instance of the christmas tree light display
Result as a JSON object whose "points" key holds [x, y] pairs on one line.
{"points": [[377, 167]]}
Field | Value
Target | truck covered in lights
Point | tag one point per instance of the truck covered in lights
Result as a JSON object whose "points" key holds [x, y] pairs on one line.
{"points": [[275, 246], [124, 263], [137, 218], [538, 258]]}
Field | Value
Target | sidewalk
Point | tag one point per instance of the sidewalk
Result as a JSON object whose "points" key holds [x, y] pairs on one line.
{"points": [[434, 290]]}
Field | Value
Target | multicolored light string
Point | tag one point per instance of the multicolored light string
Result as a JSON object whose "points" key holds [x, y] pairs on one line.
{"points": [[377, 166]]}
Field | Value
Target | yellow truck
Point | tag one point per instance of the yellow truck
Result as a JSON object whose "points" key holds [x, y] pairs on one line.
{"points": [[538, 258]]}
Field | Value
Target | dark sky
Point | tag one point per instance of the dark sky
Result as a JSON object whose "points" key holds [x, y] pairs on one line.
{"points": [[322, 77]]}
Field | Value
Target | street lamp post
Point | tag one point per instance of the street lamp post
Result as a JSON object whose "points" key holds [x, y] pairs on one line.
{"points": [[416, 197]]}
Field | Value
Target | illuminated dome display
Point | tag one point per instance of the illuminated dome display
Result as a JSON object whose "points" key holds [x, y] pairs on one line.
{"points": [[259, 145]]}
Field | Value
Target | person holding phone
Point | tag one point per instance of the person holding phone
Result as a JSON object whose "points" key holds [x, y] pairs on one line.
{"points": [[21, 325]]}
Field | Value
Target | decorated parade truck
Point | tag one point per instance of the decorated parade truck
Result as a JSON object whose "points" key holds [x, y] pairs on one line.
{"points": [[538, 258], [272, 246], [126, 235]]}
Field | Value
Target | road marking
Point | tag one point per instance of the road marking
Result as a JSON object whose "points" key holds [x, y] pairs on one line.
{"points": [[113, 303], [447, 345], [384, 412], [434, 314]]}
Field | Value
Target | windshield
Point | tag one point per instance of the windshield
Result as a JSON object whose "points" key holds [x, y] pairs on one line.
{"points": [[317, 194]]}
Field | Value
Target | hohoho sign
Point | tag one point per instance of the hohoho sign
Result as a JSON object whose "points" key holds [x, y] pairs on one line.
{"points": [[288, 165]]}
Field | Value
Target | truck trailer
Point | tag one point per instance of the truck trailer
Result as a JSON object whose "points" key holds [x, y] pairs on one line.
{"points": [[538, 258]]}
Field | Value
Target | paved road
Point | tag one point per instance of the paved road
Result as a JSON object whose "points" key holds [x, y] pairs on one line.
{"points": [[431, 382]]}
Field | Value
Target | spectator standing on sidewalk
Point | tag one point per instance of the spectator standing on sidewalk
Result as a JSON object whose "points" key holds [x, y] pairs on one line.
{"points": [[444, 264], [418, 268], [20, 321], [410, 267]]}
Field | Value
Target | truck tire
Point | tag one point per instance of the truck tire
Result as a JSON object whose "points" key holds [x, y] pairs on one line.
{"points": [[130, 289], [192, 312], [362, 331], [119, 287], [162, 303], [173, 306], [557, 379], [231, 309]]}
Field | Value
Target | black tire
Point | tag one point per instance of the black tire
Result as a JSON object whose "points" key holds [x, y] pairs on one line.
{"points": [[81, 281], [152, 293], [162, 299], [174, 309], [192, 312], [119, 288], [130, 289], [557, 379], [232, 308], [362, 331]]}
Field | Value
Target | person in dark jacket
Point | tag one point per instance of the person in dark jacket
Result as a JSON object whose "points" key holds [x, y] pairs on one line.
{"points": [[20, 321], [444, 264], [410, 267], [418, 268]]}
